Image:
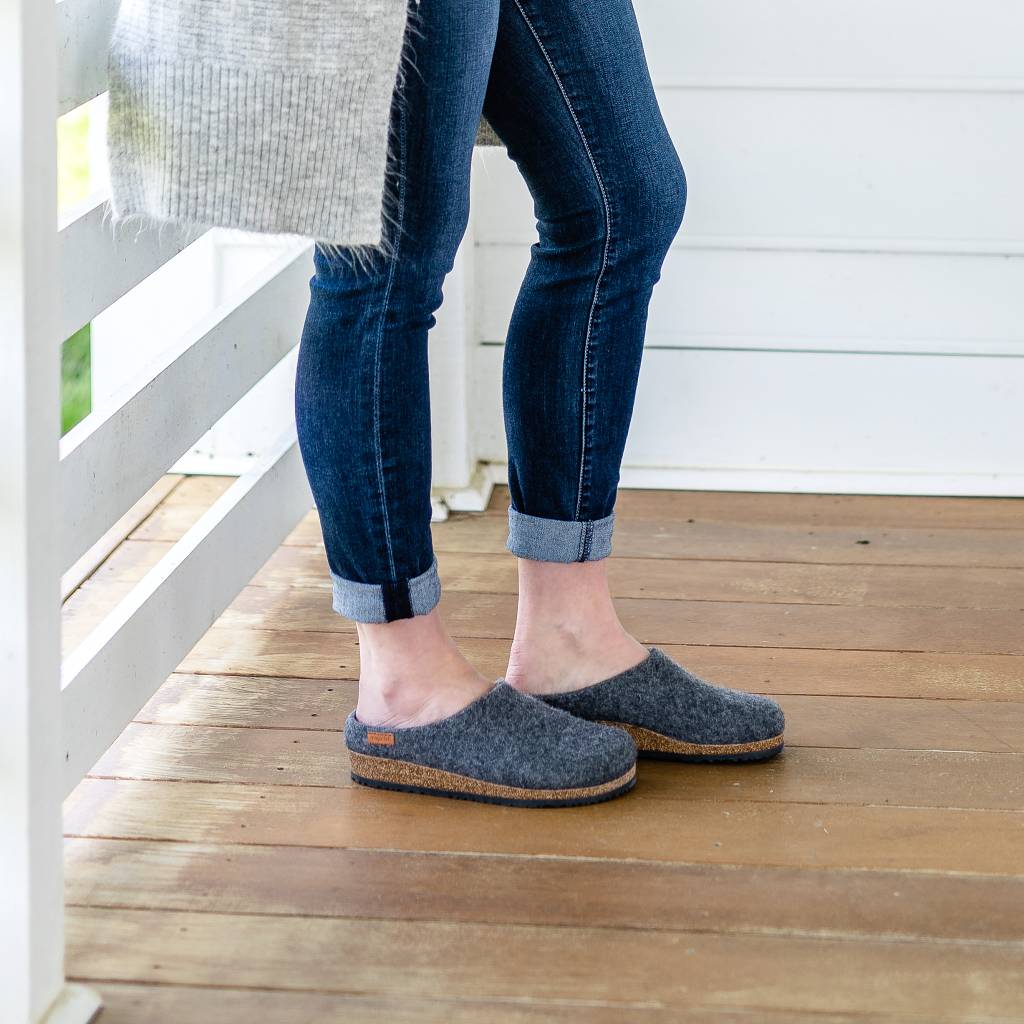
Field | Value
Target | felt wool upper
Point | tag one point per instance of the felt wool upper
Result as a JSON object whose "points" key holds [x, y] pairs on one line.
{"points": [[509, 738], [660, 695]]}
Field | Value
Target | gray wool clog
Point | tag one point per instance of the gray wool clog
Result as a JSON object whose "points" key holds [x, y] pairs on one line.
{"points": [[504, 748], [674, 715]]}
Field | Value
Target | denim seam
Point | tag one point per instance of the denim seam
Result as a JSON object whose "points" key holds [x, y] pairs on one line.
{"points": [[604, 255], [379, 345]]}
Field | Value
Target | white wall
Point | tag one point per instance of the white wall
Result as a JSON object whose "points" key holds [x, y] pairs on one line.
{"points": [[844, 306], [843, 309]]}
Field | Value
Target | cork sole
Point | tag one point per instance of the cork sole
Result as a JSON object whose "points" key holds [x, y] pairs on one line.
{"points": [[407, 777], [655, 745]]}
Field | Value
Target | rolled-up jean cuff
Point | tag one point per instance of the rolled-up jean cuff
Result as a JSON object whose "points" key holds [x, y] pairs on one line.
{"points": [[559, 540], [386, 602]]}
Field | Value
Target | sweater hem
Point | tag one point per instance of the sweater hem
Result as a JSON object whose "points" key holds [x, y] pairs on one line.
{"points": [[264, 150]]}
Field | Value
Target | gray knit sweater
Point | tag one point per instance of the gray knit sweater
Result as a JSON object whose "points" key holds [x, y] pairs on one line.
{"points": [[266, 115]]}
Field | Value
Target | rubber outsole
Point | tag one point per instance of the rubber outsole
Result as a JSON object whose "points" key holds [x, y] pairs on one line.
{"points": [[406, 777], [655, 746], [657, 755]]}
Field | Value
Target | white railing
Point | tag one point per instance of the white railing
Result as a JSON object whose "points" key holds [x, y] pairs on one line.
{"points": [[59, 497]]}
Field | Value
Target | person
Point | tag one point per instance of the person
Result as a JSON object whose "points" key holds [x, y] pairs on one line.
{"points": [[565, 86]]}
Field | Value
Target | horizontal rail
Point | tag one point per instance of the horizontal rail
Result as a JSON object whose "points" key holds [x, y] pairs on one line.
{"points": [[115, 455], [83, 36], [120, 665], [99, 263]]}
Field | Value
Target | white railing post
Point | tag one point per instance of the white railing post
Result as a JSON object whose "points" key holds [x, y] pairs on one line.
{"points": [[32, 985]]}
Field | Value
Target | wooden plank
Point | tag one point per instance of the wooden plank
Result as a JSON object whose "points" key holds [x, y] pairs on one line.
{"points": [[836, 776], [814, 510], [1003, 720], [312, 882], [170, 1004], [651, 620], [99, 265], [726, 541], [83, 34], [669, 538], [879, 586], [175, 517], [119, 451], [711, 623], [990, 677], [109, 677], [619, 966], [633, 828], [253, 702], [94, 560], [812, 720]]}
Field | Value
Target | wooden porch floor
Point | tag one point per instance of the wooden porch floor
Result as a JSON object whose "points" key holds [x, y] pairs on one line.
{"points": [[221, 866]]}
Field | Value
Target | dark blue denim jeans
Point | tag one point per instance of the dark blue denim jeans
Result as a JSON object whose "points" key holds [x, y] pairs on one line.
{"points": [[565, 84]]}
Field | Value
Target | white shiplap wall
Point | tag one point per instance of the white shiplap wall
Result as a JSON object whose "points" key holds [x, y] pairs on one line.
{"points": [[844, 307]]}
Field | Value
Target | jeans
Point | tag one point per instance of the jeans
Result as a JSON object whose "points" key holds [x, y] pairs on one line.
{"points": [[565, 85]]}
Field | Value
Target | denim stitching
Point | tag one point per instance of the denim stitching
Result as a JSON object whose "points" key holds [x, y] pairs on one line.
{"points": [[604, 255], [379, 344]]}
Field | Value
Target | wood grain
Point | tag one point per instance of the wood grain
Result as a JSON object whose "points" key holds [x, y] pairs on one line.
{"points": [[706, 623], [167, 1004], [812, 720], [93, 559], [674, 538], [922, 778], [222, 866], [809, 509], [523, 890], [275, 652], [641, 828], [880, 586], [444, 959], [191, 498]]}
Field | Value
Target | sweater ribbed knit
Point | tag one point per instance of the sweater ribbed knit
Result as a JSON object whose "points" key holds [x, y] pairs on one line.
{"points": [[265, 115]]}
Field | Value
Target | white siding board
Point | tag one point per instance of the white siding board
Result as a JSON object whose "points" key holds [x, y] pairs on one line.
{"points": [[810, 421], [862, 302], [844, 305], [890, 43], [897, 171]]}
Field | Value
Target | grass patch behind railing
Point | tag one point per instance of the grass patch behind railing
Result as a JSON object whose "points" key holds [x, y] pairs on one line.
{"points": [[75, 379], [73, 186]]}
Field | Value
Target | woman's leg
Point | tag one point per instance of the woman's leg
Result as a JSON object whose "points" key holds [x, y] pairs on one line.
{"points": [[571, 96], [362, 395]]}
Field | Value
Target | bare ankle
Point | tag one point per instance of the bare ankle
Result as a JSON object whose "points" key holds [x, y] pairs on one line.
{"points": [[568, 634], [411, 673]]}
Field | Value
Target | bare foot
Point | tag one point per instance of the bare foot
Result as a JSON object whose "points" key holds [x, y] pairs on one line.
{"points": [[568, 634], [411, 673]]}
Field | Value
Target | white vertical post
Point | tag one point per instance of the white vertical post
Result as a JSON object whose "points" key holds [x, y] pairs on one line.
{"points": [[452, 343], [31, 891]]}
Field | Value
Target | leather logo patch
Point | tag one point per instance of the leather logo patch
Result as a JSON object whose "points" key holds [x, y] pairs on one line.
{"points": [[381, 739]]}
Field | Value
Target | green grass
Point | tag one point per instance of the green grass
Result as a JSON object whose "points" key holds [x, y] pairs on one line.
{"points": [[73, 186], [75, 379]]}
